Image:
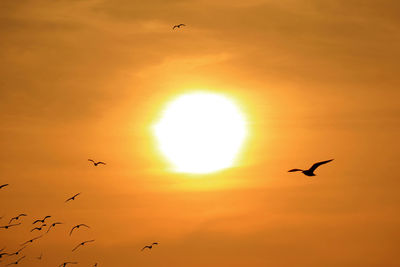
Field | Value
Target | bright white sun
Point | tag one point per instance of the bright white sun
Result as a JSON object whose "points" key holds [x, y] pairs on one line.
{"points": [[201, 132]]}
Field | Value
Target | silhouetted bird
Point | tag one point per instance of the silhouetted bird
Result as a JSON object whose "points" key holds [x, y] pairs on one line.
{"points": [[150, 247], [77, 227], [17, 217], [10, 225], [42, 221], [16, 261], [72, 198], [38, 228], [310, 172], [17, 252], [3, 185], [53, 225], [81, 244], [68, 262], [31, 240], [97, 163], [178, 26]]}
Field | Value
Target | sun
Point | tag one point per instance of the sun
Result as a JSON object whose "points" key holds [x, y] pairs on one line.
{"points": [[201, 132]]}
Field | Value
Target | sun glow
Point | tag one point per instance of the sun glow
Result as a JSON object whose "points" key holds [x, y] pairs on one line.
{"points": [[201, 132]]}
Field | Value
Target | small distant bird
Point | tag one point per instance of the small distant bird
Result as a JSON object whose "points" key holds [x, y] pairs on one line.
{"points": [[42, 221], [40, 257], [150, 247], [53, 225], [16, 261], [17, 217], [3, 185], [97, 163], [81, 244], [17, 252], [10, 225], [31, 240], [178, 26], [310, 171], [39, 228], [77, 227], [68, 262], [72, 198]]}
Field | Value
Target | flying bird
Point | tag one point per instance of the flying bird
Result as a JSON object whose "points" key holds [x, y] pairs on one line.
{"points": [[53, 225], [178, 26], [17, 217], [96, 163], [310, 171], [81, 244], [42, 221], [31, 240], [38, 228], [10, 225], [3, 185], [72, 198], [16, 261], [68, 262], [150, 246], [17, 252], [77, 227]]}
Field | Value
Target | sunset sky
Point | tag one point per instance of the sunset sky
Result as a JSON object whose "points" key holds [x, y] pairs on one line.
{"points": [[315, 80]]}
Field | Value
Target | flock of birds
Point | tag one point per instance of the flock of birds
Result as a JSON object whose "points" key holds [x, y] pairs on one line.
{"points": [[40, 225]]}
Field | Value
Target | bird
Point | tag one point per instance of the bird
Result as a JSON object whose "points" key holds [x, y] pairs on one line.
{"points": [[178, 26], [81, 244], [77, 227], [68, 262], [17, 252], [72, 198], [42, 221], [31, 240], [97, 163], [40, 257], [16, 261], [38, 228], [53, 225], [9, 225], [3, 185], [150, 247], [3, 254], [17, 217], [310, 171]]}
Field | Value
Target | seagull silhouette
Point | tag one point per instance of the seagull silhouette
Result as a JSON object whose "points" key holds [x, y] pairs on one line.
{"points": [[17, 252], [31, 240], [39, 228], [42, 221], [16, 261], [81, 244], [178, 26], [17, 217], [77, 227], [3, 185], [72, 198], [96, 163], [68, 262], [310, 171], [150, 246], [53, 225], [10, 225]]}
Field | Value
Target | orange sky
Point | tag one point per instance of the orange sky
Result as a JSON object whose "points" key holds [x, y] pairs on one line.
{"points": [[316, 80]]}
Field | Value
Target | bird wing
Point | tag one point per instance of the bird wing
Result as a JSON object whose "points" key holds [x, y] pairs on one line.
{"points": [[82, 224], [15, 224], [295, 170], [91, 160], [70, 233], [12, 219], [36, 221], [88, 241], [182, 24], [4, 185], [23, 214], [316, 165], [37, 228], [77, 246], [155, 243], [100, 162], [175, 26], [145, 247], [48, 216]]}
